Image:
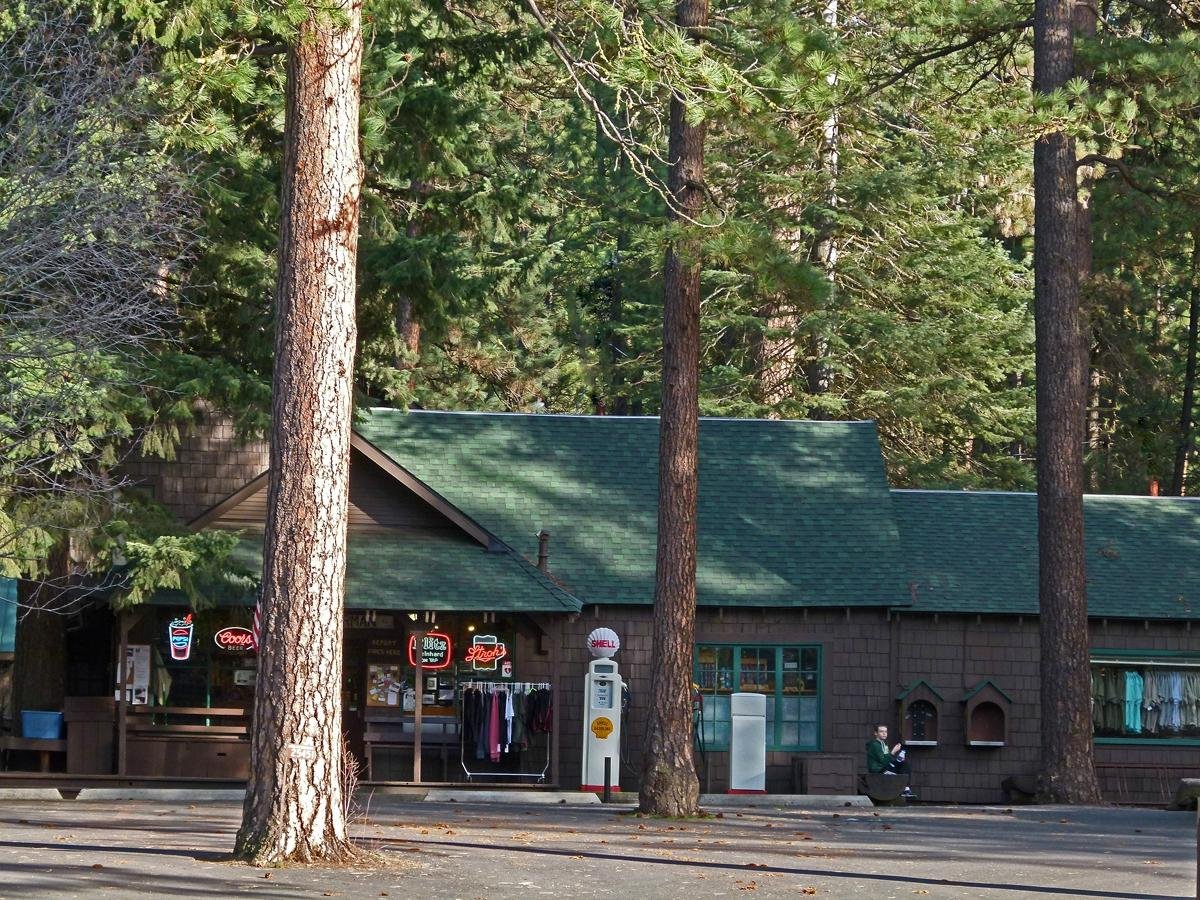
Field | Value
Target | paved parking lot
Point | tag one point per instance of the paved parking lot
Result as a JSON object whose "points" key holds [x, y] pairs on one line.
{"points": [[504, 850]]}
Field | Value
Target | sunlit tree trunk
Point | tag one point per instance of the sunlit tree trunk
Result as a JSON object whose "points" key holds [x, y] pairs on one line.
{"points": [[294, 804], [1067, 763], [669, 784]]}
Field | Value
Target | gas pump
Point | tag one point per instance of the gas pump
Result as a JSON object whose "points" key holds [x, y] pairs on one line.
{"points": [[602, 692]]}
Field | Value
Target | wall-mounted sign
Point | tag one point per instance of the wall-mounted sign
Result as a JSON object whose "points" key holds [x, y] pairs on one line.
{"points": [[368, 619], [137, 674], [485, 652], [603, 642], [434, 650], [235, 638], [179, 635]]}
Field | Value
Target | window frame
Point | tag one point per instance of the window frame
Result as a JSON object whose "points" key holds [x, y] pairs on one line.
{"points": [[776, 720], [1126, 658]]}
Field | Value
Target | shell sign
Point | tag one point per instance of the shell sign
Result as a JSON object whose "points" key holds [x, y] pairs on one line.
{"points": [[603, 642]]}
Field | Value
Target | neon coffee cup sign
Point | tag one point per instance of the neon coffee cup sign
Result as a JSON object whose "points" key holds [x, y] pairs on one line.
{"points": [[179, 636]]}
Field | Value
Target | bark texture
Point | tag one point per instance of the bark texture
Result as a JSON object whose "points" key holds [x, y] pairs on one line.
{"points": [[669, 783], [294, 803], [1067, 765], [1186, 421]]}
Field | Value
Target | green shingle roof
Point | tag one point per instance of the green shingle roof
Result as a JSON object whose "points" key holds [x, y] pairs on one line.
{"points": [[791, 512], [415, 570], [976, 552]]}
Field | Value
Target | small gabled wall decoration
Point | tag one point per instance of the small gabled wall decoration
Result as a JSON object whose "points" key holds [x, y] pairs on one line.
{"points": [[919, 710], [986, 711]]}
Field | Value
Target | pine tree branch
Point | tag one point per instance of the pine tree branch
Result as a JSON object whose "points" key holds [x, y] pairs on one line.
{"points": [[936, 53]]}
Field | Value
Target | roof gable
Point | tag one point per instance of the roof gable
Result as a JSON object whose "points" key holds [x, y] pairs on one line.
{"points": [[378, 499], [791, 513]]}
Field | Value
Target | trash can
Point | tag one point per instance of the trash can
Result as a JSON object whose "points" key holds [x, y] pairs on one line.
{"points": [[91, 722], [41, 725]]}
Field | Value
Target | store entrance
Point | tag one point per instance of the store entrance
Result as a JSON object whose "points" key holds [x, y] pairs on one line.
{"points": [[467, 706]]}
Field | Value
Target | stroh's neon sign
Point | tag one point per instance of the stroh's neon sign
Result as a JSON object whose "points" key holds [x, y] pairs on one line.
{"points": [[485, 651]]}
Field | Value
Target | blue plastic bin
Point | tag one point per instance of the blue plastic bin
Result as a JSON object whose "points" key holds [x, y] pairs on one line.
{"points": [[38, 724]]}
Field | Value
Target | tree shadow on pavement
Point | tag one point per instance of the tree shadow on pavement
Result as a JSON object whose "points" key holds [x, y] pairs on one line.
{"points": [[382, 844]]}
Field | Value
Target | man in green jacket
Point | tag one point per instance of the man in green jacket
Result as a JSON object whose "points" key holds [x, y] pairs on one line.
{"points": [[882, 761]]}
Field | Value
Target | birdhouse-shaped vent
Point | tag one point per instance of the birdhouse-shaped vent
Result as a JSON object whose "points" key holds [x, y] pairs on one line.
{"points": [[919, 712], [985, 715]]}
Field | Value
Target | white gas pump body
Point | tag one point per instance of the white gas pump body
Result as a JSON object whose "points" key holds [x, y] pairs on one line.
{"points": [[748, 744], [601, 725]]}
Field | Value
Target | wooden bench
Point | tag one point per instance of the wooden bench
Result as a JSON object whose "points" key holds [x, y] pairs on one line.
{"points": [[383, 734], [200, 741], [42, 746], [884, 790]]}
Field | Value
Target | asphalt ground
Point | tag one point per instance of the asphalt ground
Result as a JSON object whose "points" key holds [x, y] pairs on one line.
{"points": [[491, 851]]}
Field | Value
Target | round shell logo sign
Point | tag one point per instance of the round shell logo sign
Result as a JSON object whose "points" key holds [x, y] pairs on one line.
{"points": [[603, 642], [602, 727]]}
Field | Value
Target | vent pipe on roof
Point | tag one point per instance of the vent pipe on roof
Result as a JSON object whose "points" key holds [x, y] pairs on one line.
{"points": [[543, 562]]}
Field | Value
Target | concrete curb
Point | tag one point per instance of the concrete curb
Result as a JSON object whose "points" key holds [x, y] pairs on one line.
{"points": [[19, 793], [164, 795], [788, 801], [443, 795], [568, 798]]}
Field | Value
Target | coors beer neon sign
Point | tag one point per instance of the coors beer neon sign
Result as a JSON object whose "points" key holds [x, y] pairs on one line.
{"points": [[234, 638]]}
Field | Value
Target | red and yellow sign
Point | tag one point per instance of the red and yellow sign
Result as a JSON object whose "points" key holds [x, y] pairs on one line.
{"points": [[602, 727]]}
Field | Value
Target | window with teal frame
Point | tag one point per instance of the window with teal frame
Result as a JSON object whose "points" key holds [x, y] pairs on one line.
{"points": [[1145, 697], [790, 676]]}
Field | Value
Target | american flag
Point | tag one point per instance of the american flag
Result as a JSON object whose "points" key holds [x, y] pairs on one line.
{"points": [[256, 627]]}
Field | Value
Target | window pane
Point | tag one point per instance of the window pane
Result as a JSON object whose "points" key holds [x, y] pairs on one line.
{"points": [[808, 736], [808, 709], [715, 728], [790, 709], [714, 668], [789, 735], [757, 673], [808, 659]]}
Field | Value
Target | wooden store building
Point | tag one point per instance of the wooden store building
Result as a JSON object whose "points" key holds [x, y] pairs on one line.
{"points": [[503, 540]]}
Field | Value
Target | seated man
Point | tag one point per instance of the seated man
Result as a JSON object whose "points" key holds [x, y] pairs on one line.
{"points": [[881, 761]]}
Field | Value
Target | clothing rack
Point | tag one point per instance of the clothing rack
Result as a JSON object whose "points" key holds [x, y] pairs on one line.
{"points": [[490, 687]]}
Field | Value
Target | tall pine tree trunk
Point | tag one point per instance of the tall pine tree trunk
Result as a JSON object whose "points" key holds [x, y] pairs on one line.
{"points": [[408, 328], [669, 784], [1183, 447], [1067, 764], [780, 349], [294, 804]]}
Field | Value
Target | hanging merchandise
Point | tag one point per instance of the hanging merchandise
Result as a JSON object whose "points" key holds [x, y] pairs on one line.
{"points": [[498, 720]]}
